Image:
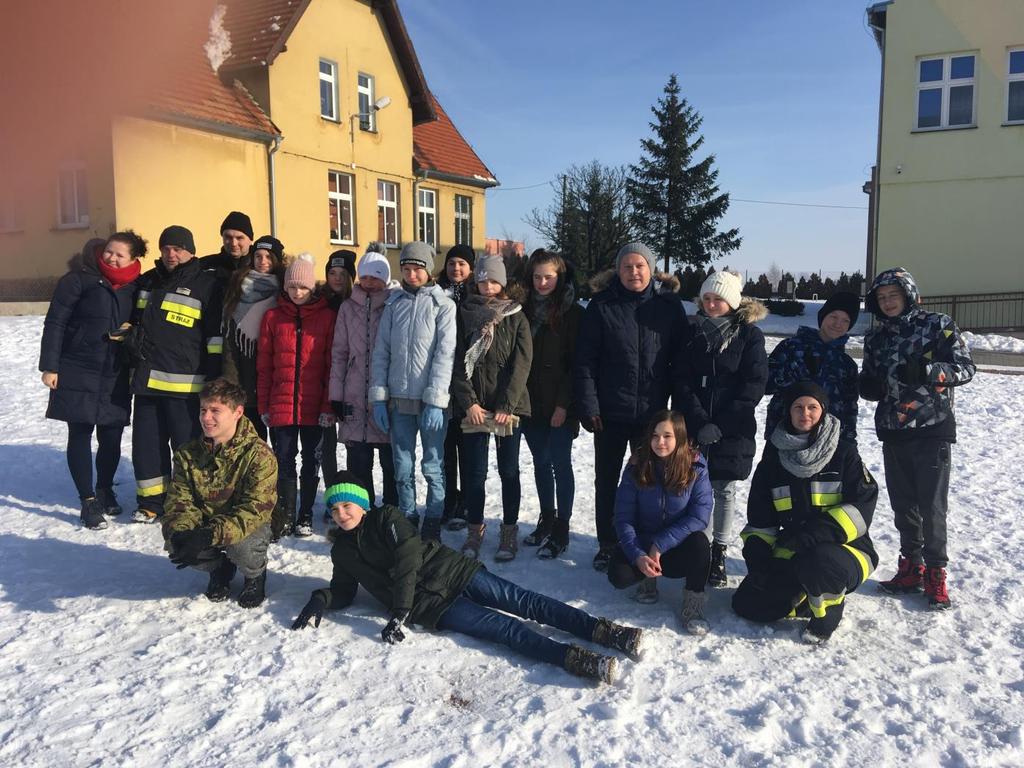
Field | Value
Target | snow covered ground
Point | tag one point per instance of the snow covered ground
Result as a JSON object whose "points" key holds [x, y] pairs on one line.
{"points": [[109, 656]]}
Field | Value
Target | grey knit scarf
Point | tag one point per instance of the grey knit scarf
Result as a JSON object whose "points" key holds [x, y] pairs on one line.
{"points": [[480, 316], [259, 292], [718, 331], [802, 457]]}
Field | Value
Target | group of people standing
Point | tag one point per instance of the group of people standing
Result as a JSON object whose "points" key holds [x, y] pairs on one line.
{"points": [[239, 346]]}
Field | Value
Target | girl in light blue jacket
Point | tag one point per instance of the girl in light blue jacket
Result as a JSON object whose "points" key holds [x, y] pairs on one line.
{"points": [[410, 378]]}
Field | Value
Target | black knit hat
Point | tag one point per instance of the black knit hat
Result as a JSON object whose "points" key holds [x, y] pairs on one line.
{"points": [[239, 222], [461, 251], [799, 389], [843, 301], [179, 237], [272, 244], [344, 259]]}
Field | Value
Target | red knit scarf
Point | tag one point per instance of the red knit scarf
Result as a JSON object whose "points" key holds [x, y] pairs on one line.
{"points": [[118, 276]]}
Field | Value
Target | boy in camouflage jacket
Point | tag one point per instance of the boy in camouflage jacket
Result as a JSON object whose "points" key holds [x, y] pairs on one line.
{"points": [[218, 508], [912, 359]]}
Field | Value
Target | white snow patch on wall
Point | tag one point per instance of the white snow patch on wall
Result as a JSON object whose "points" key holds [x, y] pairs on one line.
{"points": [[218, 45]]}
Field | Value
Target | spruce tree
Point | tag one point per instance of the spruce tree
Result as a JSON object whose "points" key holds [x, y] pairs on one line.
{"points": [[675, 199]]}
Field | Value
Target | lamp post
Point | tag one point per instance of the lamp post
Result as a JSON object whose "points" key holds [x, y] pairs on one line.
{"points": [[377, 106]]}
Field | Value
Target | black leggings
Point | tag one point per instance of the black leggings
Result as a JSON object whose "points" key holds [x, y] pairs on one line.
{"points": [[691, 560], [108, 455]]}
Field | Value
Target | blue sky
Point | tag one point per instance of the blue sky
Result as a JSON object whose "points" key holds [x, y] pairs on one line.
{"points": [[788, 92]]}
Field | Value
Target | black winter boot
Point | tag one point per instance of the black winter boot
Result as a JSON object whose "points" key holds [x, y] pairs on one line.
{"points": [[717, 577], [253, 591], [585, 663], [219, 588], [544, 523], [282, 520], [557, 541], [92, 514], [619, 637], [307, 497], [106, 497], [454, 517], [431, 529]]}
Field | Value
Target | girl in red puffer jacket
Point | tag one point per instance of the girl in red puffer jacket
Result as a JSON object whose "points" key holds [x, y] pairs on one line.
{"points": [[293, 369]]}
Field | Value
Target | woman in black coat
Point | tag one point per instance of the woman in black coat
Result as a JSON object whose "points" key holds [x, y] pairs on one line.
{"points": [[83, 369]]}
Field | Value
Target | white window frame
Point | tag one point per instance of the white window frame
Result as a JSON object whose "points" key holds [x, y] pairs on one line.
{"points": [[75, 218], [1012, 78], [464, 218], [367, 119], [337, 199], [332, 79], [389, 210], [944, 86], [425, 212]]}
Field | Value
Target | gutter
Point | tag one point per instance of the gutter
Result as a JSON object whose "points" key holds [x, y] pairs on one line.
{"points": [[469, 181], [272, 177], [877, 21]]}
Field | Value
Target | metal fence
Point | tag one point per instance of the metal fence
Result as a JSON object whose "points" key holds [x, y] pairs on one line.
{"points": [[981, 311]]}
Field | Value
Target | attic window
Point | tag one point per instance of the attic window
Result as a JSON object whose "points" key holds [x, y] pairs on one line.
{"points": [[945, 92], [72, 200], [328, 90], [1015, 87], [367, 114]]}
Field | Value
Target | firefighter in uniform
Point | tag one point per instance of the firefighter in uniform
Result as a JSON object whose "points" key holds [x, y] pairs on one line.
{"points": [[176, 343]]}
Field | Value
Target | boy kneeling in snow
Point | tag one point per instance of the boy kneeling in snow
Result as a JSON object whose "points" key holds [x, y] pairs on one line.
{"points": [[217, 513], [424, 582]]}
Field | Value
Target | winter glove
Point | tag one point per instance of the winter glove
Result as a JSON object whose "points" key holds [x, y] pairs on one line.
{"points": [[314, 610], [326, 420], [393, 633], [432, 418], [591, 423], [339, 409], [709, 434], [813, 364], [912, 373], [380, 417], [188, 545], [797, 542], [265, 418], [870, 388]]}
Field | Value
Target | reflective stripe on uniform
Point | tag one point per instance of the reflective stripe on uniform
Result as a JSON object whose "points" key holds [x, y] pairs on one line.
{"points": [[766, 534], [153, 486], [175, 382], [781, 499], [850, 520], [863, 560], [183, 305], [215, 345], [797, 602], [824, 494], [821, 603], [142, 300], [783, 554]]}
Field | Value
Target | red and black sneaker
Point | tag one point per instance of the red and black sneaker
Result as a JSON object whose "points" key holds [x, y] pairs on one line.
{"points": [[935, 589], [909, 578]]}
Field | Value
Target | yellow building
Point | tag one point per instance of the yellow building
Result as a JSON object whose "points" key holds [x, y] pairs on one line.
{"points": [[317, 121], [949, 183]]}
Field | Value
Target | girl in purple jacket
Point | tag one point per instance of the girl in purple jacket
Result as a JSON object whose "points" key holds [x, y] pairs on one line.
{"points": [[662, 508]]}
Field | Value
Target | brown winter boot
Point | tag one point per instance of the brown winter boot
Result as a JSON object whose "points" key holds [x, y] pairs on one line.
{"points": [[585, 663], [508, 545], [474, 540], [619, 637]]}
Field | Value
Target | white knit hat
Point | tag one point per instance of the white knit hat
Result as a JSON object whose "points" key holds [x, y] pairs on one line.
{"points": [[727, 285], [300, 272], [374, 264]]}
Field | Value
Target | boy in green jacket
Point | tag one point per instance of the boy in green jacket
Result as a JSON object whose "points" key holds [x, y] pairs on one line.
{"points": [[218, 507], [421, 581]]}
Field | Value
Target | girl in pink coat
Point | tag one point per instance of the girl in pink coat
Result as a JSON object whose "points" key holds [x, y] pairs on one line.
{"points": [[354, 335]]}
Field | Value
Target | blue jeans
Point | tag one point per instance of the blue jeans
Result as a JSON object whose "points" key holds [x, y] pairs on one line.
{"points": [[724, 495], [472, 614], [552, 465], [404, 428], [475, 447]]}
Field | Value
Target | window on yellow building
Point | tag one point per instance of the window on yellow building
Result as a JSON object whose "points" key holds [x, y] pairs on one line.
{"points": [[367, 114], [387, 212], [463, 220], [426, 215], [1015, 86], [339, 206], [72, 198], [328, 90], [945, 91]]}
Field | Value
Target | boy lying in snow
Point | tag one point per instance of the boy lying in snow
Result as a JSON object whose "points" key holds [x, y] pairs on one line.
{"points": [[424, 582]]}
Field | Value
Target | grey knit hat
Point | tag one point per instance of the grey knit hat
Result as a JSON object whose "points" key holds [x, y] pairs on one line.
{"points": [[420, 254], [491, 268], [635, 247]]}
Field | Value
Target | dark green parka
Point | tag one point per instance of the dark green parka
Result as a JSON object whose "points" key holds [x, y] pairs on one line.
{"points": [[386, 556], [550, 380]]}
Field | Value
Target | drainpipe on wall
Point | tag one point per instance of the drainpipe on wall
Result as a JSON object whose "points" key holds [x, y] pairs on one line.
{"points": [[271, 151], [421, 176]]}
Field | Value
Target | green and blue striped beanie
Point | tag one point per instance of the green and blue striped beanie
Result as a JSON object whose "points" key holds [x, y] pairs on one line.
{"points": [[347, 487]]}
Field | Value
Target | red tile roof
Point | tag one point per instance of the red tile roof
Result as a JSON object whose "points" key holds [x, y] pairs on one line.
{"points": [[259, 30], [438, 147]]}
